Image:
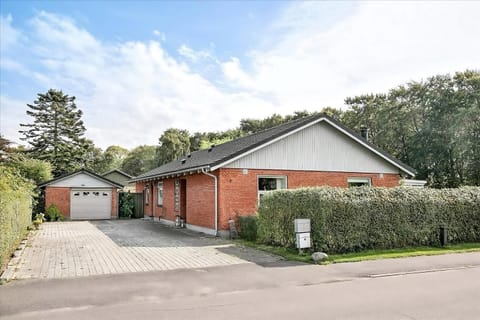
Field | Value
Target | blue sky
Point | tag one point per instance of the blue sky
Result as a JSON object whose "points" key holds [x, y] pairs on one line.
{"points": [[140, 67]]}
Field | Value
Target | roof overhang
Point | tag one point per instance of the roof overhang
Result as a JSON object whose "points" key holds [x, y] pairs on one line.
{"points": [[172, 174]]}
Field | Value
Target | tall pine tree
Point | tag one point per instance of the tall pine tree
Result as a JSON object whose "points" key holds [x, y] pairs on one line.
{"points": [[56, 134]]}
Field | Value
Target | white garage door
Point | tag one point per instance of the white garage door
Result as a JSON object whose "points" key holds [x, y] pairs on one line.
{"points": [[90, 204]]}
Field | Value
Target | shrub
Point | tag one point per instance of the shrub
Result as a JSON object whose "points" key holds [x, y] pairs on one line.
{"points": [[248, 227], [126, 204], [15, 210], [346, 220], [53, 213]]}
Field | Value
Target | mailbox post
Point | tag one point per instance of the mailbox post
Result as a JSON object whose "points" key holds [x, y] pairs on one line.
{"points": [[302, 233]]}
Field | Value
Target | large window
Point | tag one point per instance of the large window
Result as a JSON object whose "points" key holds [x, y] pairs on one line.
{"points": [[270, 183], [160, 194], [359, 182]]}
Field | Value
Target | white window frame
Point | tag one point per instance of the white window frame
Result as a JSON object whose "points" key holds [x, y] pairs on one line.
{"points": [[262, 192], [160, 193], [365, 181]]}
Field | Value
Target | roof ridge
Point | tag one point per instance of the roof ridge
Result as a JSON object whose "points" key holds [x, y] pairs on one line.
{"points": [[233, 142]]}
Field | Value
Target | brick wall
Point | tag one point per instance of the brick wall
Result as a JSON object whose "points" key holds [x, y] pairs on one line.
{"points": [[60, 197], [114, 213], [199, 200], [238, 192]]}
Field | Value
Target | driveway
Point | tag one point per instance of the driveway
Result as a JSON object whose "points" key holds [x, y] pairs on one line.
{"points": [[83, 248]]}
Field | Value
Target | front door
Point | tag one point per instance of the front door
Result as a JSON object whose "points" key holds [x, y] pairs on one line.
{"points": [[183, 199]]}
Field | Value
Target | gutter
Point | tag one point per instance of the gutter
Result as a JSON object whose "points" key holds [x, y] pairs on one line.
{"points": [[215, 178]]}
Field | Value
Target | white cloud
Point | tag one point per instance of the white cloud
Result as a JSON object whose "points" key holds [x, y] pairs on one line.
{"points": [[9, 36], [12, 113], [233, 71], [195, 55], [131, 92], [161, 35], [378, 46]]}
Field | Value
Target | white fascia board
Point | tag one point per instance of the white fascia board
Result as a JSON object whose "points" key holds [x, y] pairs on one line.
{"points": [[304, 127]]}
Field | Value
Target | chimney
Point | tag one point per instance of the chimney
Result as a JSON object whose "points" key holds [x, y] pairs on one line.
{"points": [[364, 132]]}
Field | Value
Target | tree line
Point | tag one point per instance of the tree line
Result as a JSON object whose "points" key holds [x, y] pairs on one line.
{"points": [[432, 125]]}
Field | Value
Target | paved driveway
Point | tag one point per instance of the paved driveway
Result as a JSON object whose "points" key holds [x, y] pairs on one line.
{"points": [[70, 249]]}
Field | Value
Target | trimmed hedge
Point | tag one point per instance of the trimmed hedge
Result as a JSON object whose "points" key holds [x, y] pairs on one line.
{"points": [[15, 211], [354, 219], [248, 227]]}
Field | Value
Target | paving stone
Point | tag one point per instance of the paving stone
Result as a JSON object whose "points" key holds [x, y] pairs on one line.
{"points": [[82, 248]]}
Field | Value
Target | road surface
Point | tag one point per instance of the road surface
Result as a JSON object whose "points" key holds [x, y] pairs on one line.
{"points": [[344, 291]]}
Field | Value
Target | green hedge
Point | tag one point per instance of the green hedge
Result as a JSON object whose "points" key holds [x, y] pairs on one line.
{"points": [[354, 219], [15, 211], [247, 227]]}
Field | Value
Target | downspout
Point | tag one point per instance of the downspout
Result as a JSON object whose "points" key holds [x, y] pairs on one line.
{"points": [[215, 178]]}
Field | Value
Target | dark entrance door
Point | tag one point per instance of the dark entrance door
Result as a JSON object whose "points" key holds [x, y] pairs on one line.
{"points": [[183, 199]]}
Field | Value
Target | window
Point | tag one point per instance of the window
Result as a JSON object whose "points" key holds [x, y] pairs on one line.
{"points": [[359, 182], [160, 194], [270, 183], [147, 193]]}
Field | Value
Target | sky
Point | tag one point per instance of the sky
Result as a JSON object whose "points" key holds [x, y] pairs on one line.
{"points": [[138, 68]]}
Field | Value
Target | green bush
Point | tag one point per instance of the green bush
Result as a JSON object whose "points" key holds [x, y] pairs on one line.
{"points": [[354, 219], [15, 210], [126, 204], [248, 227], [53, 213]]}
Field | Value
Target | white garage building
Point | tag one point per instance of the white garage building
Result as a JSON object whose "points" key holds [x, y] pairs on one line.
{"points": [[83, 195]]}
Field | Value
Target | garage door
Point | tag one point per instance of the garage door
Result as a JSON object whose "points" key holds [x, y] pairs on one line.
{"points": [[89, 204]]}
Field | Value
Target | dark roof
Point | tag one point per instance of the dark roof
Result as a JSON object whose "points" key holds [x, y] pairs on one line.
{"points": [[115, 184], [217, 155], [119, 171]]}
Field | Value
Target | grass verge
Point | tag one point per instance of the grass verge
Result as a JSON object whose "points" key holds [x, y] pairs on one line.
{"points": [[292, 254]]}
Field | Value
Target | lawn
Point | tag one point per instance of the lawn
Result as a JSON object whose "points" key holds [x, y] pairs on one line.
{"points": [[292, 254]]}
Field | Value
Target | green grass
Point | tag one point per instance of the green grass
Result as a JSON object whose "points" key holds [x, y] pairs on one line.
{"points": [[292, 254]]}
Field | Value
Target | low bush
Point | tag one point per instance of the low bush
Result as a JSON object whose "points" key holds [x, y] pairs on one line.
{"points": [[53, 213], [126, 204], [354, 219], [247, 227], [15, 210]]}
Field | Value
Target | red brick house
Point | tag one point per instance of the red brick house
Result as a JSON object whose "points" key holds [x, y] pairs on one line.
{"points": [[207, 187], [83, 195]]}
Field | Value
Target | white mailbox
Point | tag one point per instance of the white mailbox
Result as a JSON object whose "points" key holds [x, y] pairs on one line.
{"points": [[303, 240], [302, 225]]}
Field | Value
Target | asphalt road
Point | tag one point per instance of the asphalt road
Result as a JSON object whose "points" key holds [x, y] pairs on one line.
{"points": [[345, 291]]}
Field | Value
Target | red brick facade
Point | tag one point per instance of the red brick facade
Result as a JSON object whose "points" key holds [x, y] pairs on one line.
{"points": [[238, 192], [60, 196], [200, 199]]}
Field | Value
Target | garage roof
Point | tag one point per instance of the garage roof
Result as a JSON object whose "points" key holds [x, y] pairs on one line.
{"points": [[84, 171]]}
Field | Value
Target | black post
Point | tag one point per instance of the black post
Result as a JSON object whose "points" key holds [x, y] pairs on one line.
{"points": [[443, 236]]}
